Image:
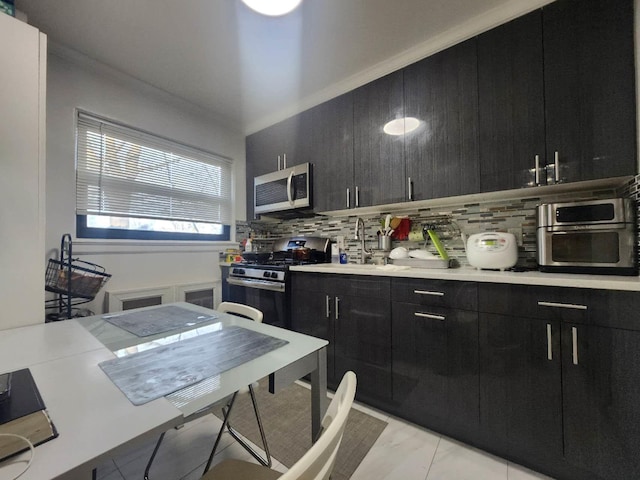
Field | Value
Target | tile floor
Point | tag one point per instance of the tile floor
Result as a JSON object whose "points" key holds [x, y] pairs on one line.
{"points": [[404, 451]]}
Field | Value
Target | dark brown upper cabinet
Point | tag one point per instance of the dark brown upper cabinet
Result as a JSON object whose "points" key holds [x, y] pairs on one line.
{"points": [[331, 153], [378, 157], [590, 101], [279, 146], [442, 154], [511, 105]]}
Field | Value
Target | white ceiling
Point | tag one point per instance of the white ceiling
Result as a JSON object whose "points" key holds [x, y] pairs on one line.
{"points": [[252, 70]]}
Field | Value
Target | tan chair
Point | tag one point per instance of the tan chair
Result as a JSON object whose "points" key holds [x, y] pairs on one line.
{"points": [[255, 315], [319, 460]]}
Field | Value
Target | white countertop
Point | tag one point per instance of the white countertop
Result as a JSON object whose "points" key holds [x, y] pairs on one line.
{"points": [[606, 282]]}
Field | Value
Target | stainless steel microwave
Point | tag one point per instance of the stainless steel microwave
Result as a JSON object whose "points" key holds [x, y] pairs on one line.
{"points": [[596, 236], [287, 190]]}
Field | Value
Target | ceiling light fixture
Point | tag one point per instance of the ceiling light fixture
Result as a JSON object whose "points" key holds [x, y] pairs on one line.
{"points": [[272, 8], [400, 126]]}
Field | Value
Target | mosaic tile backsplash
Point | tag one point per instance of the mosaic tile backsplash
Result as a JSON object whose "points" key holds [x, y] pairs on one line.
{"points": [[517, 216]]}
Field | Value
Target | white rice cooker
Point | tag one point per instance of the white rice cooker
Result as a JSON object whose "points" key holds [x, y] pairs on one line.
{"points": [[492, 250]]}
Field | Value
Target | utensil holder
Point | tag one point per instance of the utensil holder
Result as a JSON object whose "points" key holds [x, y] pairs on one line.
{"points": [[384, 243]]}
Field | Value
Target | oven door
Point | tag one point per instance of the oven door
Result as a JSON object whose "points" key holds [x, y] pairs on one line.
{"points": [[272, 302], [593, 250]]}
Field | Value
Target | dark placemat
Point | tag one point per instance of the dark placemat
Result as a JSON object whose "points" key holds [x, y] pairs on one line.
{"points": [[157, 320], [151, 374]]}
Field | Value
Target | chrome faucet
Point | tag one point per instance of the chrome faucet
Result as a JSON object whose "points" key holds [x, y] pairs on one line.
{"points": [[359, 235]]}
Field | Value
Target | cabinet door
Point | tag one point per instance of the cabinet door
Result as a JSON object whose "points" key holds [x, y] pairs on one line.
{"points": [[363, 344], [589, 87], [331, 153], [266, 150], [520, 385], [378, 157], [441, 91], [601, 394], [435, 367], [511, 104], [312, 314]]}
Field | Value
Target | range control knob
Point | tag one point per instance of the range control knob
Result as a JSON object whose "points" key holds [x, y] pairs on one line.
{"points": [[274, 274], [266, 274]]}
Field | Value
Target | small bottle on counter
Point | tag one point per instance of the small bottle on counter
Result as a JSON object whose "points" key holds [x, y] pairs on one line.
{"points": [[335, 253]]}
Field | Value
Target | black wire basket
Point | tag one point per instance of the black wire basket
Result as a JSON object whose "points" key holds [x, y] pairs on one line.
{"points": [[76, 279]]}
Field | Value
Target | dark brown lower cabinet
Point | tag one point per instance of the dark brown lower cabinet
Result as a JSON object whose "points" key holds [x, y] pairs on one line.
{"points": [[520, 386], [435, 367], [546, 377], [354, 314], [601, 396]]}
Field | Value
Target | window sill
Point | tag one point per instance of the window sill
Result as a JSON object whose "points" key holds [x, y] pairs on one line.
{"points": [[90, 246]]}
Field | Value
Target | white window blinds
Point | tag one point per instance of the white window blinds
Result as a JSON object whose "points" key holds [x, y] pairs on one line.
{"points": [[124, 172]]}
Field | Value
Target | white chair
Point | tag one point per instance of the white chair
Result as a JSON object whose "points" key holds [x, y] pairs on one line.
{"points": [[319, 460], [255, 315]]}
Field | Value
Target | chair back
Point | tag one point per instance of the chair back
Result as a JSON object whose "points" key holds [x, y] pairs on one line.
{"points": [[242, 310], [319, 460]]}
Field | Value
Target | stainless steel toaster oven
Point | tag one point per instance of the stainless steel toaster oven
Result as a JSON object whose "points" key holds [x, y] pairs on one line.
{"points": [[596, 236]]}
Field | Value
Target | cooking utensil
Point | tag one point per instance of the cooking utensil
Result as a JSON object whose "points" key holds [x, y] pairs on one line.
{"points": [[436, 243], [301, 254], [387, 223], [253, 257]]}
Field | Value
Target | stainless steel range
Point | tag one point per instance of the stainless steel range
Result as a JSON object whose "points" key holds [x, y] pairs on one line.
{"points": [[263, 281]]}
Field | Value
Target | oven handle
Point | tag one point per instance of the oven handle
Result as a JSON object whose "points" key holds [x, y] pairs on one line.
{"points": [[272, 286]]}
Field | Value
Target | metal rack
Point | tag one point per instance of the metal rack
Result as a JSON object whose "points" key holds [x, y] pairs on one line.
{"points": [[74, 281]]}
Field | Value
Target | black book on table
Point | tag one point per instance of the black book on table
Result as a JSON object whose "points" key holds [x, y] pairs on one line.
{"points": [[23, 412]]}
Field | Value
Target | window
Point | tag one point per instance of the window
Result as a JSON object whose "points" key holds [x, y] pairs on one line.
{"points": [[133, 185]]}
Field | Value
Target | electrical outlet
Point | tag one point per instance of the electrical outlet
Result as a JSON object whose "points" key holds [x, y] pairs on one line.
{"points": [[517, 232]]}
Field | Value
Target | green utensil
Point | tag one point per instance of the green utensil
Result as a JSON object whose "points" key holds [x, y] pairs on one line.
{"points": [[436, 243]]}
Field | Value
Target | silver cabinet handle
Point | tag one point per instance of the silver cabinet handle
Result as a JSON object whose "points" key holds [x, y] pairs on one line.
{"points": [[410, 184], [563, 305], [279, 164], [549, 344], [426, 292], [290, 188], [537, 167], [556, 164], [328, 304], [284, 160], [337, 308], [357, 197], [429, 315], [574, 342], [348, 197]]}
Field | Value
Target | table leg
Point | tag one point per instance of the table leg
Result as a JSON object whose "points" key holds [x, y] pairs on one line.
{"points": [[319, 401]]}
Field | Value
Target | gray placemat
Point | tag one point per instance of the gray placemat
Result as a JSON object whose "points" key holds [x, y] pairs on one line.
{"points": [[157, 320], [154, 373]]}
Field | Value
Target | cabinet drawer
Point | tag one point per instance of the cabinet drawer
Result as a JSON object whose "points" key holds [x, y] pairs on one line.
{"points": [[614, 308], [359, 286], [563, 304], [438, 293]]}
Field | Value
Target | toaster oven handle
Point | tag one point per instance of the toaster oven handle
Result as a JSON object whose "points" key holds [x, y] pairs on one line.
{"points": [[289, 188]]}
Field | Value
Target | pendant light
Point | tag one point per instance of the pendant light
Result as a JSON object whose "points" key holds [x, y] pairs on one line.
{"points": [[272, 8]]}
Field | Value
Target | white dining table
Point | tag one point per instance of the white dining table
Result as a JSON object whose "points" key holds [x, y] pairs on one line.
{"points": [[94, 418]]}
